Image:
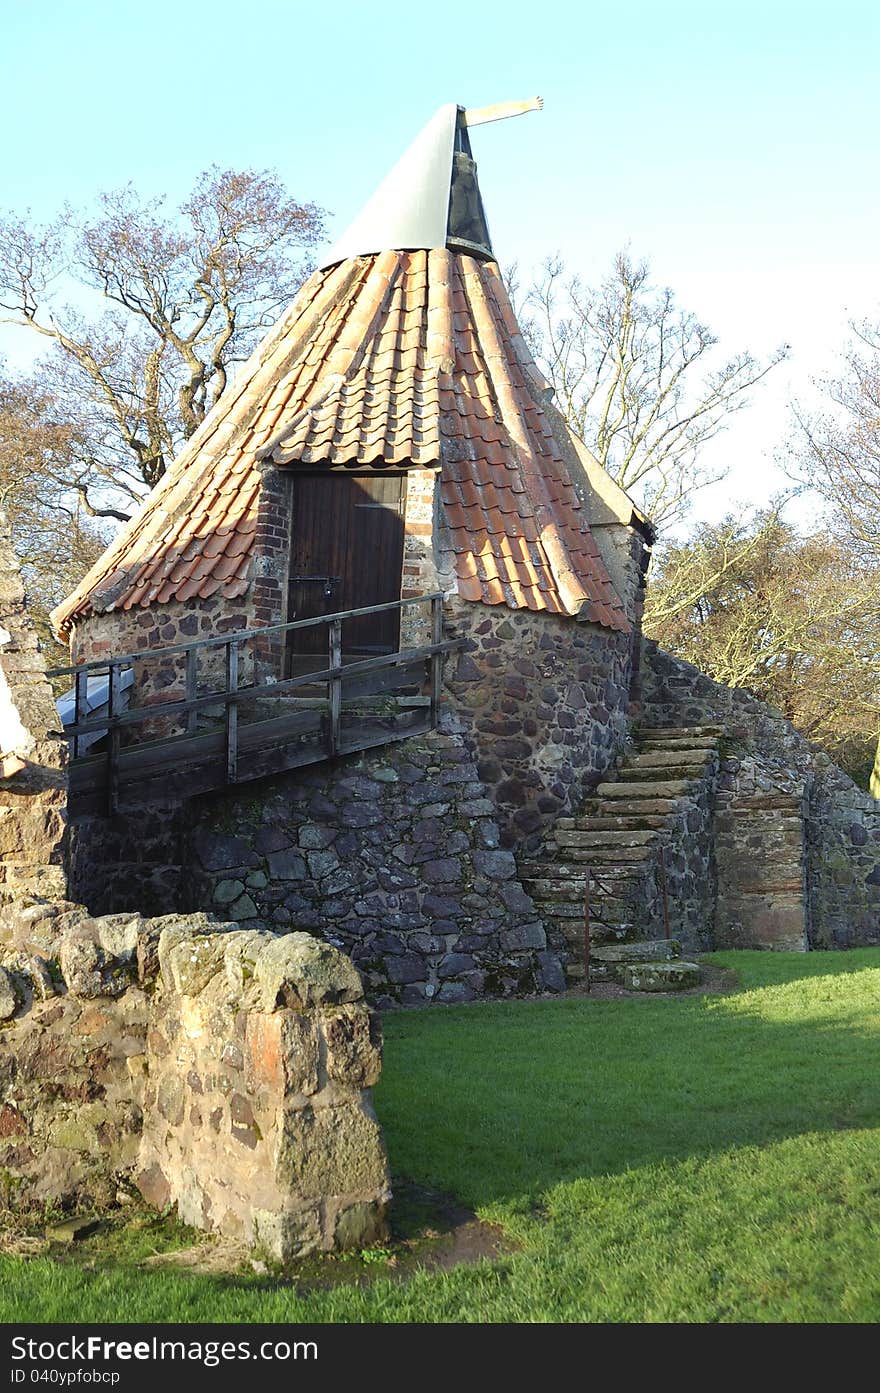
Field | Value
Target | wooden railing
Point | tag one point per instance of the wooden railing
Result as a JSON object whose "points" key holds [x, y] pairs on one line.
{"points": [[185, 711]]}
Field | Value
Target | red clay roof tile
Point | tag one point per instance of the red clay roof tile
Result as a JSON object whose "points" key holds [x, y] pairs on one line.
{"points": [[398, 358]]}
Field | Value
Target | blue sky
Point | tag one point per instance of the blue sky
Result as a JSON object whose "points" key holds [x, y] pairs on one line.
{"points": [[734, 146]]}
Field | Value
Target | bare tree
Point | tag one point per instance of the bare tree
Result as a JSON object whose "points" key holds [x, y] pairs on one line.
{"points": [[53, 537], [166, 305], [836, 453], [791, 618], [631, 373]]}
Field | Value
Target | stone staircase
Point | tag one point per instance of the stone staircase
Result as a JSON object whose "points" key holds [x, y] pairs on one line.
{"points": [[639, 844]]}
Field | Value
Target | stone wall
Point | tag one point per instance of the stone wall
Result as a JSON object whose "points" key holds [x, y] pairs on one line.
{"points": [[841, 824], [161, 676], [761, 859], [258, 1122], [544, 701], [74, 1011], [689, 863], [223, 1070], [136, 857], [33, 759], [395, 857]]}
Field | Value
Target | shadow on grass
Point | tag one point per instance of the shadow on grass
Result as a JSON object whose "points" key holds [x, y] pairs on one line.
{"points": [[500, 1102]]}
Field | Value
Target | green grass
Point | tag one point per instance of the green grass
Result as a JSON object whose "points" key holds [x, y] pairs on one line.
{"points": [[703, 1158]]}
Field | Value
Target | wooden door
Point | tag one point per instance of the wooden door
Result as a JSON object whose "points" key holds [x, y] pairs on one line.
{"points": [[346, 552]]}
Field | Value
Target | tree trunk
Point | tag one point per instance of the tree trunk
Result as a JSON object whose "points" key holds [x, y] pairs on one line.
{"points": [[874, 785]]}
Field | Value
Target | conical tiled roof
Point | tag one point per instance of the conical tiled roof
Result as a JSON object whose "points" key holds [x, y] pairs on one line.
{"points": [[384, 359]]}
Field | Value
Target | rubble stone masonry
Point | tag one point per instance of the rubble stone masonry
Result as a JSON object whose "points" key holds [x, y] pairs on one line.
{"points": [[544, 700], [226, 1071], [797, 842]]}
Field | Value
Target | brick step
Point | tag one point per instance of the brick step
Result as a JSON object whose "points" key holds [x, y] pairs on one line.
{"points": [[605, 836], [610, 822], [659, 788]]}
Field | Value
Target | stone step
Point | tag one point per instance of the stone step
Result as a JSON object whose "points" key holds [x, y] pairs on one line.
{"points": [[601, 935], [600, 855], [707, 743], [676, 732], [659, 788], [612, 911], [611, 822], [639, 807], [608, 959], [615, 870], [660, 977], [663, 759], [553, 870], [640, 951], [578, 872], [605, 855], [637, 774], [605, 836], [555, 895]]}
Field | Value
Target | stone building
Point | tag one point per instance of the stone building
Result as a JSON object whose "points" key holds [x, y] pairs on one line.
{"points": [[392, 437]]}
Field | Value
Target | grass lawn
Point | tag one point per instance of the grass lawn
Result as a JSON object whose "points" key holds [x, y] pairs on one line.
{"points": [[700, 1158]]}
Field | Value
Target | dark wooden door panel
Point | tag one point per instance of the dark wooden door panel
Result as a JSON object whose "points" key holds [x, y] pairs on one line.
{"points": [[375, 558], [346, 553], [318, 546]]}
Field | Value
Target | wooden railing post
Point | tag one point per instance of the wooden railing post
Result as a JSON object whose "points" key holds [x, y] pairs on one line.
{"points": [[192, 671], [436, 658], [114, 704], [231, 712], [80, 703], [335, 685]]}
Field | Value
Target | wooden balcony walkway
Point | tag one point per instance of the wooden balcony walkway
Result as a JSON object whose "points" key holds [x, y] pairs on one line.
{"points": [[209, 735]]}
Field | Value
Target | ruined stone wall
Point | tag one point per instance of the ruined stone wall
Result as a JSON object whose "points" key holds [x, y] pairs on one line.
{"points": [[74, 1010], [544, 701], [761, 858], [225, 1071], [258, 1121], [841, 824]]}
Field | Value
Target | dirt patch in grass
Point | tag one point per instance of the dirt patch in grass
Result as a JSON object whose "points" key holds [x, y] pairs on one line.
{"points": [[430, 1230], [714, 980], [22, 1245]]}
